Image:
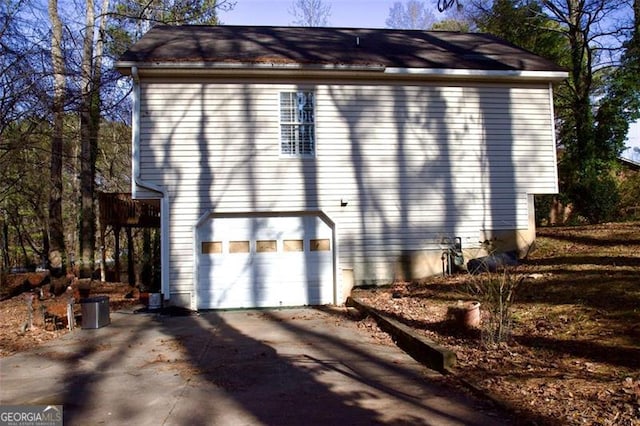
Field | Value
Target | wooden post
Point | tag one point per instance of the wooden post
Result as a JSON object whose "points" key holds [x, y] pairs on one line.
{"points": [[71, 321], [29, 298], [116, 233], [130, 258], [103, 254]]}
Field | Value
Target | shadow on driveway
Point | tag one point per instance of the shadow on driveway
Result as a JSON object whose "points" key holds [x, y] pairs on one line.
{"points": [[275, 367]]}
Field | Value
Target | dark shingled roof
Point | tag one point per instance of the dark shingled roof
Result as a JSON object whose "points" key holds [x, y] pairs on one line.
{"points": [[331, 46]]}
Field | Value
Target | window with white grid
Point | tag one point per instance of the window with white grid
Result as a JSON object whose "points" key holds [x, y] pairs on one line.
{"points": [[297, 128]]}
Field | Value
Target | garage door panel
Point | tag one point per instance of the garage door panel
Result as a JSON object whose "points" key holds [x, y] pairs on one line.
{"points": [[283, 261], [236, 297]]}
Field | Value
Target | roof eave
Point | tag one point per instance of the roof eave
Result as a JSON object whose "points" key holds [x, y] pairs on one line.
{"points": [[125, 66], [237, 68], [475, 74]]}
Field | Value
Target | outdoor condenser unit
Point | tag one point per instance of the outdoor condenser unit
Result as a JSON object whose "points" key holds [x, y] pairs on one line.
{"points": [[95, 312]]}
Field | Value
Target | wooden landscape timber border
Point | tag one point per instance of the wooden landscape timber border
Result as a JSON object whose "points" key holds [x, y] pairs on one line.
{"points": [[428, 353], [418, 347]]}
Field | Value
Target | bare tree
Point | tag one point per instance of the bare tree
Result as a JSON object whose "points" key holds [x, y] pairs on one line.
{"points": [[140, 14], [56, 94], [591, 31], [589, 28], [57, 252], [411, 15], [90, 106], [447, 4], [310, 13]]}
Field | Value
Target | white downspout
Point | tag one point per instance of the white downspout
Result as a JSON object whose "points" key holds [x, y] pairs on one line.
{"points": [[137, 181]]}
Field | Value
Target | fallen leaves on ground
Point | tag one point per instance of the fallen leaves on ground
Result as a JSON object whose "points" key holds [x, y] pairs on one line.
{"points": [[574, 354], [573, 357], [49, 313]]}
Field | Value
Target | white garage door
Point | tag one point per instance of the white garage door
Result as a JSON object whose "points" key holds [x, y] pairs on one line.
{"points": [[247, 262]]}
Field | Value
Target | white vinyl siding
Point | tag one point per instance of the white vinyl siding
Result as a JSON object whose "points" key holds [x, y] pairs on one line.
{"points": [[415, 162]]}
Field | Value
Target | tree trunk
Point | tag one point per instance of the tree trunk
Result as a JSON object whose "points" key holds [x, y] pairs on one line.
{"points": [[581, 75], [21, 236], [636, 31], [5, 245], [87, 165], [89, 129], [45, 248], [4, 251], [57, 252]]}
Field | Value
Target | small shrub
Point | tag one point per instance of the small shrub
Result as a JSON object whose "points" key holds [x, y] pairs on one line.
{"points": [[629, 190], [496, 293], [543, 205]]}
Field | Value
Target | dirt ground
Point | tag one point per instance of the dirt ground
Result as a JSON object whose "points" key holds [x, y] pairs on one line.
{"points": [[32, 317], [573, 357]]}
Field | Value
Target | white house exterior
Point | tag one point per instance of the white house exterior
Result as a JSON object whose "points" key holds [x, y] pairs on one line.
{"points": [[293, 163]]}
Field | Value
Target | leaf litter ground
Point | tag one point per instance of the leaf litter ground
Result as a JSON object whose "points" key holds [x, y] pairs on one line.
{"points": [[574, 354]]}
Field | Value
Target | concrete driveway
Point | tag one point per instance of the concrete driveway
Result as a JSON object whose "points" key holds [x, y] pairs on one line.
{"points": [[280, 367]]}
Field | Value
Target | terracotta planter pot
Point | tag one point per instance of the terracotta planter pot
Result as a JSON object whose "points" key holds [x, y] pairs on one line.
{"points": [[471, 315], [466, 315]]}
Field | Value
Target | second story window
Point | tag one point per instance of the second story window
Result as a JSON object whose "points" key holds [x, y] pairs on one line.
{"points": [[297, 124]]}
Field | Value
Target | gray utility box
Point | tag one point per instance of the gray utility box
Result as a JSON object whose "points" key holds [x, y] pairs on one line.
{"points": [[95, 312]]}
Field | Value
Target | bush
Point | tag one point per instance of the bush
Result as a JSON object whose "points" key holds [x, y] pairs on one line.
{"points": [[543, 205], [629, 190], [596, 198], [496, 293]]}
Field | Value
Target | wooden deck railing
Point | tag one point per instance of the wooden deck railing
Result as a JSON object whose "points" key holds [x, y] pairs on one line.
{"points": [[120, 210]]}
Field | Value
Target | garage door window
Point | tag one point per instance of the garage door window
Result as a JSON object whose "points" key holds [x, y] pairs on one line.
{"points": [[293, 245], [297, 124], [238, 246], [320, 245], [212, 247], [266, 246]]}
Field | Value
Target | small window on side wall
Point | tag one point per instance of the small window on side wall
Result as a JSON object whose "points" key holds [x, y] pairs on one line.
{"points": [[297, 124]]}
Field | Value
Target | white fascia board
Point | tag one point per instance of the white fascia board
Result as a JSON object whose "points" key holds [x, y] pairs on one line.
{"points": [[475, 74], [365, 69], [125, 66]]}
